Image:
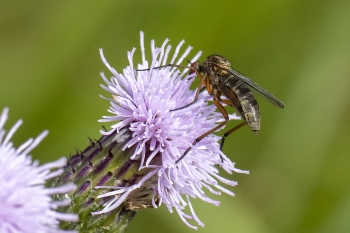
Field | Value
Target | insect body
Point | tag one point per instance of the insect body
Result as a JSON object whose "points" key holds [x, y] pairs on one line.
{"points": [[220, 79], [217, 75]]}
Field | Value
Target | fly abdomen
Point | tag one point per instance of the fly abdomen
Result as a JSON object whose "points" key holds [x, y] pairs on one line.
{"points": [[251, 111], [243, 100]]}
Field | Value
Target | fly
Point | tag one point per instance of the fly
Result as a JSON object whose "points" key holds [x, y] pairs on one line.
{"points": [[218, 77]]}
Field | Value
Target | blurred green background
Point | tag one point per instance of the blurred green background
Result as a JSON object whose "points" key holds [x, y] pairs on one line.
{"points": [[298, 50]]}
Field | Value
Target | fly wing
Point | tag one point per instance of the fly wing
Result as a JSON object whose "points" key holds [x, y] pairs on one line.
{"points": [[261, 91]]}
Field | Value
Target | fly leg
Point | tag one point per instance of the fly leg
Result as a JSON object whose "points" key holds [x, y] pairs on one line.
{"points": [[171, 65], [225, 115], [196, 96], [229, 132], [204, 81]]}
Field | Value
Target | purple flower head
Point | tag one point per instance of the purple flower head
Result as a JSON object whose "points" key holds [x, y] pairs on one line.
{"points": [[142, 101], [25, 204]]}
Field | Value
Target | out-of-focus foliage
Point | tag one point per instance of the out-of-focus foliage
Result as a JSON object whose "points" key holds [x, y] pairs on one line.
{"points": [[298, 50]]}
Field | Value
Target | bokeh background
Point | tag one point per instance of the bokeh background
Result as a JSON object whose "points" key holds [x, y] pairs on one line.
{"points": [[298, 50]]}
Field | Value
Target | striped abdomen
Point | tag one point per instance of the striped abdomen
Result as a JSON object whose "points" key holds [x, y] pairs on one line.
{"points": [[242, 98]]}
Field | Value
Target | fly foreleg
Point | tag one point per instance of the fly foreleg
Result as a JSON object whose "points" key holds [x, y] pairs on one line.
{"points": [[199, 89]]}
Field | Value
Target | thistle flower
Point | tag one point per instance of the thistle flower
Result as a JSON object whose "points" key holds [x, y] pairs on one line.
{"points": [[142, 102], [25, 204]]}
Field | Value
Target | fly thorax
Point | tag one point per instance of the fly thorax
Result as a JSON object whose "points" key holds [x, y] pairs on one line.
{"points": [[221, 72], [215, 80]]}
